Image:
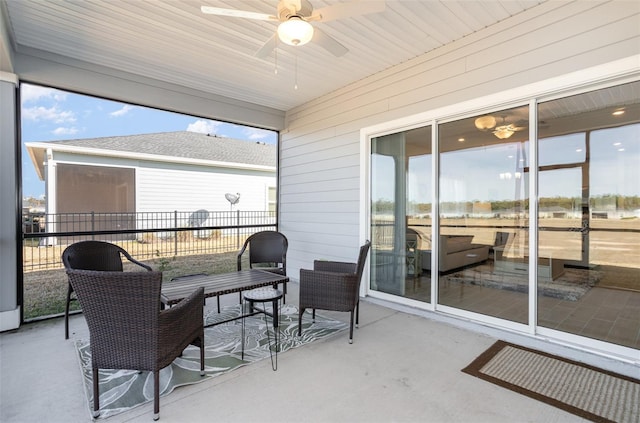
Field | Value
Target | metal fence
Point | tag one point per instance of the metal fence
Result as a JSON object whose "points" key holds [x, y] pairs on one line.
{"points": [[145, 235]]}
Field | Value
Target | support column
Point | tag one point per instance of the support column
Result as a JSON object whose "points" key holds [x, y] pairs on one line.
{"points": [[10, 204]]}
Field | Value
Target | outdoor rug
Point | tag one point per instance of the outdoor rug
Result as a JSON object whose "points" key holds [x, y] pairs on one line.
{"points": [[586, 391], [570, 286], [122, 390]]}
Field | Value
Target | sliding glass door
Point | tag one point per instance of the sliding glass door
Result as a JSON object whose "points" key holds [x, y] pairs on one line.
{"points": [[541, 237]]}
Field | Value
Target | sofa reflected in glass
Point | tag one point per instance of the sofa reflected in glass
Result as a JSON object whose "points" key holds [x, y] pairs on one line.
{"points": [[456, 251]]}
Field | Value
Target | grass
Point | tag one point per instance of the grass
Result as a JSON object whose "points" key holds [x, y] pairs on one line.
{"points": [[45, 291]]}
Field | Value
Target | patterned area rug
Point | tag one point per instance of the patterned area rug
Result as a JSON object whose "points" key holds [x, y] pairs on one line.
{"points": [[122, 390], [586, 391], [570, 286]]}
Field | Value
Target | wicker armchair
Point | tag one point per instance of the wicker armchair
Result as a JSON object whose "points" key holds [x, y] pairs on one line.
{"points": [[92, 255], [267, 251], [127, 328], [333, 286]]}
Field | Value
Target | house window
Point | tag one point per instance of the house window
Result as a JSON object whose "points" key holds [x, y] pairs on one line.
{"points": [[84, 190]]}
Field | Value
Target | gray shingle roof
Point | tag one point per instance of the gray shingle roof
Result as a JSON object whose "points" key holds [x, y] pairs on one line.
{"points": [[191, 145]]}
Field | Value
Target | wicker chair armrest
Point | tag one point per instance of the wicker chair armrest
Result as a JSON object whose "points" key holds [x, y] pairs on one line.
{"points": [[185, 313], [240, 253], [134, 261], [145, 266], [180, 326], [334, 266], [328, 290]]}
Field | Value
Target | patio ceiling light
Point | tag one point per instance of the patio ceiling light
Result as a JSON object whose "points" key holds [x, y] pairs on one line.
{"points": [[295, 31]]}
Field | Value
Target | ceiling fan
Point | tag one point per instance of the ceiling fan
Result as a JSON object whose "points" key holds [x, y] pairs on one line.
{"points": [[504, 131], [294, 17]]}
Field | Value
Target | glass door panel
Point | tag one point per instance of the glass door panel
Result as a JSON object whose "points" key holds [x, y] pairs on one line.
{"points": [[483, 256], [589, 214], [401, 166]]}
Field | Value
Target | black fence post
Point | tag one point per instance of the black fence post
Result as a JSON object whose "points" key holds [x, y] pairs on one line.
{"points": [[175, 238], [238, 229]]}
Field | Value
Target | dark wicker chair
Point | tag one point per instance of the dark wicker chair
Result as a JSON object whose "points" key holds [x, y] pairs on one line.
{"points": [[333, 285], [127, 328], [92, 255], [267, 251]]}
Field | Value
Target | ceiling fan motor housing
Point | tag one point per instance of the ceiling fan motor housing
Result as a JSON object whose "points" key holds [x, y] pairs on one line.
{"points": [[287, 9]]}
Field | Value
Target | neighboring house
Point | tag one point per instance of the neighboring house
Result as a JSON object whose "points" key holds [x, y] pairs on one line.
{"points": [[152, 173]]}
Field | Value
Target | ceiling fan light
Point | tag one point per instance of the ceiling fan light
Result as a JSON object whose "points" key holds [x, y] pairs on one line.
{"points": [[485, 122], [295, 31]]}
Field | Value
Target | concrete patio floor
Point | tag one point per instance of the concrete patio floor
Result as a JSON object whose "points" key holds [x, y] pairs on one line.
{"points": [[401, 367]]}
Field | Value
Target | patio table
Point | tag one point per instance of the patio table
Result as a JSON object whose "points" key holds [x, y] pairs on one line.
{"points": [[221, 284]]}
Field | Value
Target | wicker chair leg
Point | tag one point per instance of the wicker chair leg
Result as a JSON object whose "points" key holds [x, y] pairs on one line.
{"points": [[313, 316], [156, 395], [96, 394], [351, 329], [301, 312], [201, 357], [66, 313], [357, 312]]}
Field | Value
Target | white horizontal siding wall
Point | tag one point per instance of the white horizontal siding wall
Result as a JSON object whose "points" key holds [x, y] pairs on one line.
{"points": [[167, 187], [319, 157], [182, 188]]}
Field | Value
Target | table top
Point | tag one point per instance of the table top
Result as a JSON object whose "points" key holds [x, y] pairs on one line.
{"points": [[263, 294], [219, 284]]}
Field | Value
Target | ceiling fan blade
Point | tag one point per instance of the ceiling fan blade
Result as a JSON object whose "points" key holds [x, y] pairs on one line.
{"points": [[346, 10], [267, 47], [237, 13], [328, 43]]}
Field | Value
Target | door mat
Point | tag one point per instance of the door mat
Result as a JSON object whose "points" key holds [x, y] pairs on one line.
{"points": [[577, 388]]}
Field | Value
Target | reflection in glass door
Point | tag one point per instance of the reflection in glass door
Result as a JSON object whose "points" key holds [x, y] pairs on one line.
{"points": [[483, 239], [589, 215], [401, 166]]}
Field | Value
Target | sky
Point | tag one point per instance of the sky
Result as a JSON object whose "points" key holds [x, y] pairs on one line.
{"points": [[53, 115], [489, 173]]}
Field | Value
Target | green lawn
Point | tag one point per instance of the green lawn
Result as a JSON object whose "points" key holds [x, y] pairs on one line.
{"points": [[45, 291]]}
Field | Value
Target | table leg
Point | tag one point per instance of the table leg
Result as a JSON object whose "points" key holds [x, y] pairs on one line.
{"points": [[276, 333], [242, 312]]}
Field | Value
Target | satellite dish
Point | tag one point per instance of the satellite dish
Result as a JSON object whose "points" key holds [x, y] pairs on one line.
{"points": [[232, 198], [198, 218]]}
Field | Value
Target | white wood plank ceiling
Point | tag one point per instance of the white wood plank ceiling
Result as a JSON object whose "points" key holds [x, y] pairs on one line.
{"points": [[173, 41]]}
